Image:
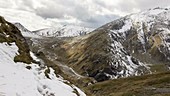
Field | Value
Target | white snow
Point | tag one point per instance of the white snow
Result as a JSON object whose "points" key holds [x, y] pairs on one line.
{"points": [[34, 57], [16, 80], [126, 27]]}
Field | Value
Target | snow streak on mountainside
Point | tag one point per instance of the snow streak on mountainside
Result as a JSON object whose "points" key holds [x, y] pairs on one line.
{"points": [[16, 80], [125, 64]]}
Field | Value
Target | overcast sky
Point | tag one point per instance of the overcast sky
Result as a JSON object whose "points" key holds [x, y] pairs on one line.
{"points": [[89, 13]]}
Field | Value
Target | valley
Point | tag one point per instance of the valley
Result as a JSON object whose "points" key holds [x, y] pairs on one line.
{"points": [[129, 56]]}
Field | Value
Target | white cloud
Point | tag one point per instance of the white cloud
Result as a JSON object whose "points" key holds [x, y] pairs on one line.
{"points": [[91, 13]]}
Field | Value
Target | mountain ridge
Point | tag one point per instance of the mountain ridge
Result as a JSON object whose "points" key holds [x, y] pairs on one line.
{"points": [[130, 53]]}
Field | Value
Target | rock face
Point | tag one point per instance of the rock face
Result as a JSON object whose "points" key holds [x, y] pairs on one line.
{"points": [[9, 33]]}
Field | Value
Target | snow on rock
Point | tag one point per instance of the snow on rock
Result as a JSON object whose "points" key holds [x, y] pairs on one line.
{"points": [[122, 60], [16, 80]]}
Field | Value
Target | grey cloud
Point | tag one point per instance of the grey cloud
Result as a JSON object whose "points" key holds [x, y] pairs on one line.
{"points": [[85, 10], [99, 20], [50, 13], [82, 13], [146, 4], [142, 4], [28, 3]]}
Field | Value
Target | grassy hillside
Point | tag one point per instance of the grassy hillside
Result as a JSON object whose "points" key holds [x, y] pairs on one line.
{"points": [[148, 85]]}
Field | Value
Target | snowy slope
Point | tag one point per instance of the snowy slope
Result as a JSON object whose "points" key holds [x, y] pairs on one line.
{"points": [[16, 80]]}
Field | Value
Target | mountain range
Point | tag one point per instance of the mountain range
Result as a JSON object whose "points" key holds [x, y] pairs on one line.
{"points": [[129, 56]]}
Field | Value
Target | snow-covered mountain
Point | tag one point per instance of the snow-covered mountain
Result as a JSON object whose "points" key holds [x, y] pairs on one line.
{"points": [[145, 35], [20, 72], [60, 31], [138, 40], [63, 31]]}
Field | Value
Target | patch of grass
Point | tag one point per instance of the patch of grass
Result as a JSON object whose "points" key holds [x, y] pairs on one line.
{"points": [[47, 71], [158, 68], [23, 58]]}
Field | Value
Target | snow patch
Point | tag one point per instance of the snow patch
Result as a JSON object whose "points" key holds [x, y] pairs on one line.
{"points": [[16, 80]]}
